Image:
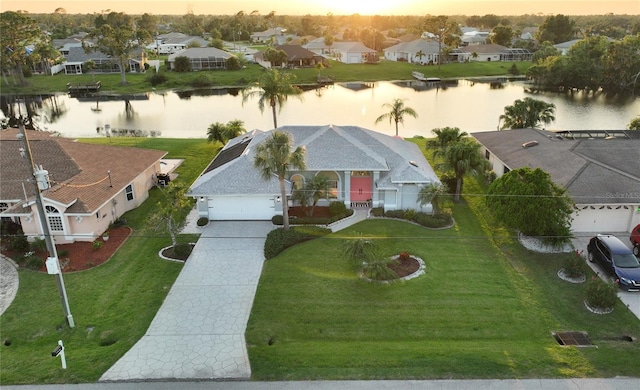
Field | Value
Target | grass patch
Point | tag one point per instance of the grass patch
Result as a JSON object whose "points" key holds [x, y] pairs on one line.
{"points": [[112, 305], [486, 308]]}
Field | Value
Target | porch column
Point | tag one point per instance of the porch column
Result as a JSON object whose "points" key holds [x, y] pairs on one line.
{"points": [[374, 189], [399, 197], [347, 189]]}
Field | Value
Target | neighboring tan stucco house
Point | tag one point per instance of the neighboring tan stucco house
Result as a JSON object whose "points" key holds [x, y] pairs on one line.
{"points": [[91, 185], [599, 169], [365, 169]]}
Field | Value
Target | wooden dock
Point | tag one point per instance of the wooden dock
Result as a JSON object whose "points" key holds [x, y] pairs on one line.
{"points": [[83, 88]]}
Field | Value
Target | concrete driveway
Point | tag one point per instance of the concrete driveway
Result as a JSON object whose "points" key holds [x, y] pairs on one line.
{"points": [[629, 299], [198, 333]]}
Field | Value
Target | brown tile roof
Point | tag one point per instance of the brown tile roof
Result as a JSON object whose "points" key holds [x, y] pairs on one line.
{"points": [[77, 171]]}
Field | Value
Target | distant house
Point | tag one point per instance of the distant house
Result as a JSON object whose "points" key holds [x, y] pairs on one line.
{"points": [[483, 53], [76, 57], [297, 57], [599, 169], [353, 53], [202, 58], [90, 185], [276, 35], [364, 168], [419, 51], [173, 42], [318, 46]]}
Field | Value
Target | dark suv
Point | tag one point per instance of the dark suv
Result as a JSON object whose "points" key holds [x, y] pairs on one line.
{"points": [[617, 260]]}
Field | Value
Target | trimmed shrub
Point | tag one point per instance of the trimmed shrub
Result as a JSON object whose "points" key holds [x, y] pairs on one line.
{"points": [[601, 294], [409, 214], [277, 220], [97, 244], [182, 64], [39, 244], [575, 265], [182, 249], [377, 211], [337, 208], [157, 79], [280, 239], [394, 214]]}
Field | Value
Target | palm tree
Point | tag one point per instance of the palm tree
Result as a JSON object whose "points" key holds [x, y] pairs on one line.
{"points": [[444, 137], [527, 113], [432, 193], [223, 133], [273, 88], [462, 157], [397, 111], [275, 156]]}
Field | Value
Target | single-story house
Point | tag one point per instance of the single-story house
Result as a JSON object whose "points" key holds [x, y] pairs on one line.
{"points": [[297, 57], [318, 46], [76, 57], [353, 53], [484, 52], [419, 51], [600, 170], [173, 42], [364, 168], [89, 186], [275, 34], [202, 58]]}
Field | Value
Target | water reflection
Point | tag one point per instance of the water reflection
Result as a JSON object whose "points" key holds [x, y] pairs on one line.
{"points": [[470, 105]]}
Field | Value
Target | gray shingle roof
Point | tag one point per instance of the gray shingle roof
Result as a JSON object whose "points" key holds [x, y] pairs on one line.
{"points": [[592, 170], [328, 148]]}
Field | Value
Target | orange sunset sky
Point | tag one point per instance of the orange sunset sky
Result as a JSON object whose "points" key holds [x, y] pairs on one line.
{"points": [[337, 7]]}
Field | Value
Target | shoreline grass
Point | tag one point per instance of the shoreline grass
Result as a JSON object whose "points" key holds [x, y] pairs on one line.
{"points": [[139, 83]]}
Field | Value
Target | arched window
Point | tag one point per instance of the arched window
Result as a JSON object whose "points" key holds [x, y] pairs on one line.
{"points": [[54, 219]]}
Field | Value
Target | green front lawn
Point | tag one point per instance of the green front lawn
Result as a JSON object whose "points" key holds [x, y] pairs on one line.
{"points": [[486, 308], [112, 304]]}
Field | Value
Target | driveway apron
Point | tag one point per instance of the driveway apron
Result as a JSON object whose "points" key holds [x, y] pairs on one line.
{"points": [[198, 333]]}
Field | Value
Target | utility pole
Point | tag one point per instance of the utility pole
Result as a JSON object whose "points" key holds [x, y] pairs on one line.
{"points": [[53, 264]]}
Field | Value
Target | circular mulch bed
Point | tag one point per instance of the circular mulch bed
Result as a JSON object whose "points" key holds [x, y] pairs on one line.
{"points": [[81, 256], [562, 274], [406, 268]]}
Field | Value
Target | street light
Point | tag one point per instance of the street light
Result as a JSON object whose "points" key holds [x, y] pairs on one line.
{"points": [[40, 182]]}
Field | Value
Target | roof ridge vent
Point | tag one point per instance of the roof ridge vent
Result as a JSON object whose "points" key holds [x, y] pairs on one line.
{"points": [[529, 144]]}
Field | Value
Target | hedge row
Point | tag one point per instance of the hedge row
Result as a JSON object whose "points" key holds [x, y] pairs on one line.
{"points": [[431, 221], [280, 239]]}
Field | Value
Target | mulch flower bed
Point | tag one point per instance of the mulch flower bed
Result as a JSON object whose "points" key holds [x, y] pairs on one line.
{"points": [[81, 256]]}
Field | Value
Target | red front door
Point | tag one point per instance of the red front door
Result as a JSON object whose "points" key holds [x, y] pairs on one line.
{"points": [[361, 188]]}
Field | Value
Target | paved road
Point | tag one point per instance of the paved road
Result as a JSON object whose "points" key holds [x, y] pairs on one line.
{"points": [[491, 384]]}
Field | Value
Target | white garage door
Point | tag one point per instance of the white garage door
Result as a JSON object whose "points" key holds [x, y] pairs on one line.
{"points": [[241, 208], [609, 219]]}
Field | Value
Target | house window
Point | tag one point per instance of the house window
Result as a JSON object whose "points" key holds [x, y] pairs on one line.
{"points": [[332, 184], [129, 192], [3, 207], [487, 154], [54, 219], [506, 170]]}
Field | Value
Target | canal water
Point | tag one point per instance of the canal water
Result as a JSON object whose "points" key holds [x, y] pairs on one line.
{"points": [[472, 106]]}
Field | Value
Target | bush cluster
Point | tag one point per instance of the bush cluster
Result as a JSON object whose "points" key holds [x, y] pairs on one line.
{"points": [[575, 265], [423, 219], [182, 249], [280, 239], [157, 79], [337, 210], [601, 294]]}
